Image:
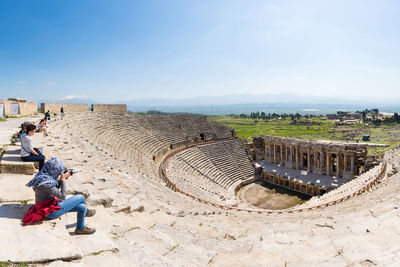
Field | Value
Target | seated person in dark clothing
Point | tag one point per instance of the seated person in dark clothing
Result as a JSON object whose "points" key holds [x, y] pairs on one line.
{"points": [[28, 152], [46, 187], [47, 115]]}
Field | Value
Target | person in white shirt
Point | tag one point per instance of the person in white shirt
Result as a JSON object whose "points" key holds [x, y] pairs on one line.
{"points": [[28, 151]]}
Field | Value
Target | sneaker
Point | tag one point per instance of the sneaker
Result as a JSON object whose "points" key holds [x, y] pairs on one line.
{"points": [[90, 213], [85, 231]]}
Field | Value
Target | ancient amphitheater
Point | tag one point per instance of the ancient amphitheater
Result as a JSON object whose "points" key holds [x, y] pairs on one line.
{"points": [[165, 190]]}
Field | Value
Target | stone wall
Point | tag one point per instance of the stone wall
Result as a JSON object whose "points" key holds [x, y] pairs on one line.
{"points": [[56, 107], [28, 108], [115, 108], [24, 108], [294, 185]]}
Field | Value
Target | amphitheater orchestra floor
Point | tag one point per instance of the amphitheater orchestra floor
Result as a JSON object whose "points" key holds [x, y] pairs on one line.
{"points": [[302, 175]]}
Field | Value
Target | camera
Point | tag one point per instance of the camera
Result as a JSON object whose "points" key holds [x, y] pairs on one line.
{"points": [[71, 171]]}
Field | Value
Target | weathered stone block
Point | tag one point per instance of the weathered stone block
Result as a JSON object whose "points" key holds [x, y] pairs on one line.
{"points": [[11, 162]]}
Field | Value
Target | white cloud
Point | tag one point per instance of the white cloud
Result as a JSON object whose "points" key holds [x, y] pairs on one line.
{"points": [[22, 82], [75, 96], [51, 83]]}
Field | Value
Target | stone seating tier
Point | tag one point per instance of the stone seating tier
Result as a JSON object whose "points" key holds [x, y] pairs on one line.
{"points": [[218, 168], [140, 139], [241, 157], [222, 160], [190, 180], [346, 189], [204, 166], [11, 162]]}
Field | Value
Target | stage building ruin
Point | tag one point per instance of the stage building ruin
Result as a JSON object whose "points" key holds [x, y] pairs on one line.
{"points": [[332, 161]]}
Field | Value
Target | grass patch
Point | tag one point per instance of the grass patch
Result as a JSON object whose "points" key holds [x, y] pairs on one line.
{"points": [[314, 129], [97, 253], [3, 119], [171, 249], [8, 264], [304, 128], [23, 202], [134, 228], [16, 117]]}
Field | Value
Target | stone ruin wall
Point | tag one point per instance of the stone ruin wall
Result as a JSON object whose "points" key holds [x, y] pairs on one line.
{"points": [[114, 108], [25, 108], [322, 157], [28, 108], [75, 108], [56, 107]]}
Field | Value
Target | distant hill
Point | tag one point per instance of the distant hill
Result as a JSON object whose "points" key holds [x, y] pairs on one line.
{"points": [[279, 108], [269, 103], [246, 103], [253, 99], [69, 101]]}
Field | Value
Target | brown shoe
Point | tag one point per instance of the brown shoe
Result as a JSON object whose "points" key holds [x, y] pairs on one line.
{"points": [[36, 165], [90, 213], [85, 231]]}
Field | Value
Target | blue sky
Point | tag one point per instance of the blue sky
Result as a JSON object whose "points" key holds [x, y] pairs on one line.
{"points": [[123, 50]]}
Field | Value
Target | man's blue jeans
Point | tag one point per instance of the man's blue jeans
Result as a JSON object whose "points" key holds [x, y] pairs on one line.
{"points": [[75, 203]]}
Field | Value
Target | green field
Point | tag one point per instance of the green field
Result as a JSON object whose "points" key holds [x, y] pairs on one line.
{"points": [[313, 129]]}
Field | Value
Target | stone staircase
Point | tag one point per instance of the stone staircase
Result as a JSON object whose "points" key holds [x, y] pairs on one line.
{"points": [[11, 162]]}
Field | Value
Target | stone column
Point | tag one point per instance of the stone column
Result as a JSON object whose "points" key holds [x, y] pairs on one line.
{"points": [[328, 171], [321, 159], [286, 154], [297, 157], [293, 154], [337, 164], [345, 163], [315, 160], [352, 164], [271, 153], [308, 161], [265, 152], [273, 149], [281, 147]]}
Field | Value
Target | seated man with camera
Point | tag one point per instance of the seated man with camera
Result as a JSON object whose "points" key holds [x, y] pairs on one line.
{"points": [[47, 192]]}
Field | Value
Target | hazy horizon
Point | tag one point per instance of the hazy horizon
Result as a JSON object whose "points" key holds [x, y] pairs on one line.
{"points": [[236, 104]]}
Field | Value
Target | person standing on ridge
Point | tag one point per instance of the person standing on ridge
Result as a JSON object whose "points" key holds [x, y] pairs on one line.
{"points": [[62, 113]]}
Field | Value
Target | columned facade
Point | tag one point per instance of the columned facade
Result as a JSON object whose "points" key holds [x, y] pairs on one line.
{"points": [[327, 158]]}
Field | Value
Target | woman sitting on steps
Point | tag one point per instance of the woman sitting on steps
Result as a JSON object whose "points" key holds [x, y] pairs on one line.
{"points": [[28, 152], [41, 127], [47, 192]]}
